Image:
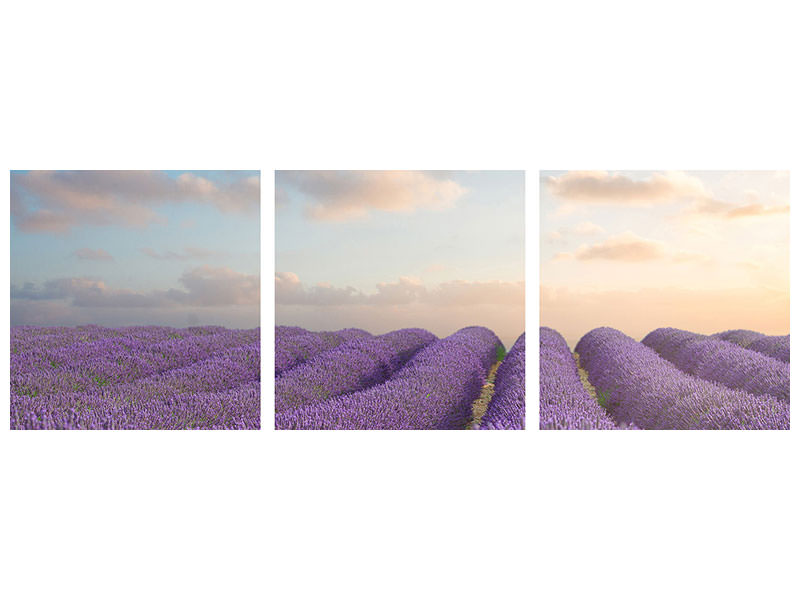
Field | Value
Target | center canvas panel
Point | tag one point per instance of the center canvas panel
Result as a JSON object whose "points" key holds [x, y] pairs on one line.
{"points": [[399, 300]]}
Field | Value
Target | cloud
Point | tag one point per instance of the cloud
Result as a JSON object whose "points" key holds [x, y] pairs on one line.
{"points": [[602, 187], [289, 290], [471, 293], [406, 302], [710, 207], [626, 247], [218, 286], [587, 228], [582, 229], [89, 254], [554, 236], [348, 195], [756, 209], [187, 254], [57, 201], [406, 290], [56, 289], [202, 287], [50, 313]]}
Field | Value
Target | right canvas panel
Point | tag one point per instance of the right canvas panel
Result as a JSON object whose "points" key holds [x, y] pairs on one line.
{"points": [[664, 300]]}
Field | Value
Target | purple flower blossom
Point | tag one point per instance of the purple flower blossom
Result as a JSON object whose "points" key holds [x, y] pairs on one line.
{"points": [[714, 359], [135, 378], [563, 401], [506, 409], [349, 367], [434, 390], [645, 389], [775, 346], [740, 337], [294, 346]]}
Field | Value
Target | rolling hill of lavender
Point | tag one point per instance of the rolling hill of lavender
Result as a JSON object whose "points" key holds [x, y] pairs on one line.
{"points": [[94, 377], [405, 379], [672, 379]]}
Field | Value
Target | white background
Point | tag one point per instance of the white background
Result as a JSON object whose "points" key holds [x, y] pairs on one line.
{"points": [[616, 85]]}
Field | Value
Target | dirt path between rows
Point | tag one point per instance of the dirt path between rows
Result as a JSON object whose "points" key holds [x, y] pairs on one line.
{"points": [[585, 378], [480, 405]]}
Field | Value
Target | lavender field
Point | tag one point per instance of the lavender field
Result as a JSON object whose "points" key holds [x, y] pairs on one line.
{"points": [[94, 377], [672, 379], [405, 379]]}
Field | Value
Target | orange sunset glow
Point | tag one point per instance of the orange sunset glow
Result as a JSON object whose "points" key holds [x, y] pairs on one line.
{"points": [[638, 250]]}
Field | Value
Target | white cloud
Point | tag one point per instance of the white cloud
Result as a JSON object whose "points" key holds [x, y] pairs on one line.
{"points": [[626, 247], [348, 195], [588, 228], [582, 229], [57, 201], [202, 286], [602, 187], [406, 290]]}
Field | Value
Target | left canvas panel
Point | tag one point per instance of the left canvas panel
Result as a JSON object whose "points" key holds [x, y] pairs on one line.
{"points": [[135, 300]]}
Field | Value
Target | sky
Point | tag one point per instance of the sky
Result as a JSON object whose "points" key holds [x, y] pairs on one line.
{"points": [[638, 250], [119, 248], [382, 250]]}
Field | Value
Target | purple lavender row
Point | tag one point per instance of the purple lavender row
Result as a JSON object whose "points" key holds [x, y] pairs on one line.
{"points": [[720, 361], [116, 360], [218, 372], [235, 408], [740, 337], [27, 338], [506, 409], [222, 370], [137, 356], [293, 347], [775, 346], [563, 401], [162, 342], [649, 391], [434, 390], [350, 367], [199, 378]]}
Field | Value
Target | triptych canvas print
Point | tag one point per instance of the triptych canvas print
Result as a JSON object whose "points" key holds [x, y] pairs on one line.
{"points": [[399, 300]]}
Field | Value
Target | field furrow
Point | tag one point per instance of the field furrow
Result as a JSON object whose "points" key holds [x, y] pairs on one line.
{"points": [[434, 390], [649, 391]]}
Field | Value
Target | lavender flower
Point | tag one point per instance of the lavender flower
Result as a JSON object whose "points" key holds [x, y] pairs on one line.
{"points": [[506, 409], [563, 401], [434, 390], [349, 367], [645, 389], [135, 378], [775, 346], [740, 337], [293, 348], [724, 362]]}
